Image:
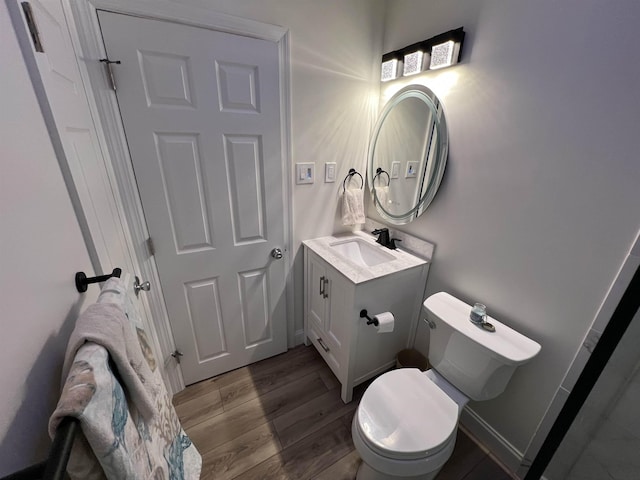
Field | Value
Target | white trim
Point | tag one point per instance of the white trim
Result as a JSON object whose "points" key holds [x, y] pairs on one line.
{"points": [[87, 39], [188, 15], [287, 184], [299, 338], [506, 453]]}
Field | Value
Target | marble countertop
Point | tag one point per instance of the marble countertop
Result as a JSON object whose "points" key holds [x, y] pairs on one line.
{"points": [[356, 273]]}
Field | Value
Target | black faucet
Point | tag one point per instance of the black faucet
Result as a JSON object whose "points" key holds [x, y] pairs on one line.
{"points": [[384, 240], [383, 236]]}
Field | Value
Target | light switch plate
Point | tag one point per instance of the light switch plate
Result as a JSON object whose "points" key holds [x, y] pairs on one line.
{"points": [[330, 172], [395, 169], [305, 172]]}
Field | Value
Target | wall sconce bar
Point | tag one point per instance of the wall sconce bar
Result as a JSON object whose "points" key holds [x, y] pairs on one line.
{"points": [[437, 52]]}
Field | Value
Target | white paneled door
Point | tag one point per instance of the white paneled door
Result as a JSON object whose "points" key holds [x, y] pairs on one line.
{"points": [[201, 112]]}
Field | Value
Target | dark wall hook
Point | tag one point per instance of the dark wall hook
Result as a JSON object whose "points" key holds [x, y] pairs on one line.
{"points": [[82, 281]]}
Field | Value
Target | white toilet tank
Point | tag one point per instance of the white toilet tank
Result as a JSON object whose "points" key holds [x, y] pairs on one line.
{"points": [[477, 362]]}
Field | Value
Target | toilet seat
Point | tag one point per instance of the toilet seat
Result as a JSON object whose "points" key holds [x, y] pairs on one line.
{"points": [[404, 415]]}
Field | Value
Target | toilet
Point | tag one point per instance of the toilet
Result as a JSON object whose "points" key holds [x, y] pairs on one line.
{"points": [[406, 423]]}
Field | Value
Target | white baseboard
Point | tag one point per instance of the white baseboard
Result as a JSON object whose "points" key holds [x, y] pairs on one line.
{"points": [[298, 338], [498, 446]]}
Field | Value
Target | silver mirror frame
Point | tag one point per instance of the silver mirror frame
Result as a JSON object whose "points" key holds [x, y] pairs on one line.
{"points": [[432, 174]]}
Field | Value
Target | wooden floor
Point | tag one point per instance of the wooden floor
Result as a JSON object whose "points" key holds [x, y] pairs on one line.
{"points": [[282, 418]]}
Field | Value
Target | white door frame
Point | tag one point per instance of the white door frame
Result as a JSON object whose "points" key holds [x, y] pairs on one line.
{"points": [[87, 41]]}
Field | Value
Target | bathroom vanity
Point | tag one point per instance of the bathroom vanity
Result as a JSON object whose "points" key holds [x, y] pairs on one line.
{"points": [[346, 274]]}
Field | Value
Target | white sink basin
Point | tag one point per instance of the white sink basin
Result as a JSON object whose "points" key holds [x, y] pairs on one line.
{"points": [[361, 252]]}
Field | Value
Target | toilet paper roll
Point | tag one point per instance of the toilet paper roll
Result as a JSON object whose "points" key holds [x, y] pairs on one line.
{"points": [[386, 321]]}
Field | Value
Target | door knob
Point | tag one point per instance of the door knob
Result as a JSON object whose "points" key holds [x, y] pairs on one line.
{"points": [[137, 286], [177, 354], [276, 253]]}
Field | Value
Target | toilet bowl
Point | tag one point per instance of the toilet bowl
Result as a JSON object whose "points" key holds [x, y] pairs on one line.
{"points": [[406, 423]]}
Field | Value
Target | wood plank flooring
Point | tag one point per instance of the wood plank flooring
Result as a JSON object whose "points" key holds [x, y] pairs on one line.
{"points": [[282, 418]]}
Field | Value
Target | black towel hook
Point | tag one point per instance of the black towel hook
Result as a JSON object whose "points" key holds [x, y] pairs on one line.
{"points": [[379, 172], [352, 172], [82, 281]]}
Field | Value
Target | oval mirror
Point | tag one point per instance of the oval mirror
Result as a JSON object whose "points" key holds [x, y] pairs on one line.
{"points": [[407, 154]]}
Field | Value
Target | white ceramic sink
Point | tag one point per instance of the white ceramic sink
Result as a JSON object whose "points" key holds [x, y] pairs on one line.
{"points": [[361, 252]]}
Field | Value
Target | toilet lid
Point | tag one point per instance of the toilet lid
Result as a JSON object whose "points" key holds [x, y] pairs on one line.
{"points": [[404, 414]]}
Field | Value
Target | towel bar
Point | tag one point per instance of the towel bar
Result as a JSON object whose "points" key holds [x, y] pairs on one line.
{"points": [[82, 280]]}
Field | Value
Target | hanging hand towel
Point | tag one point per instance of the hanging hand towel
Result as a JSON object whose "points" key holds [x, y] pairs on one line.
{"points": [[353, 206], [382, 196]]}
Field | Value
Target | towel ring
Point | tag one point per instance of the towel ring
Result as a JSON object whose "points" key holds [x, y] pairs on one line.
{"points": [[379, 172], [352, 172]]}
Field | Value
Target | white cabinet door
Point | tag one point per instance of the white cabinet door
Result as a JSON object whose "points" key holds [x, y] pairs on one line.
{"points": [[319, 310], [316, 288], [201, 111], [338, 317]]}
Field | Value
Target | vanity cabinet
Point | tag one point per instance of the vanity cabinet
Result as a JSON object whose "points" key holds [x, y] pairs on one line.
{"points": [[352, 349]]}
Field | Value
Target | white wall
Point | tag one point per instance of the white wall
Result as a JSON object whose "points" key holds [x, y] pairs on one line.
{"points": [[335, 52], [539, 203], [41, 248]]}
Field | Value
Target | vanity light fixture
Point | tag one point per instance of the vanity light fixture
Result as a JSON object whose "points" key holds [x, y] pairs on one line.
{"points": [[437, 52]]}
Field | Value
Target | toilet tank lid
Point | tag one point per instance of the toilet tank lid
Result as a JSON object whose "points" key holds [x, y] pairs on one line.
{"points": [[512, 347]]}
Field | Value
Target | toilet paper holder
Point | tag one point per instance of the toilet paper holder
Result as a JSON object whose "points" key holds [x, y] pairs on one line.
{"points": [[370, 321]]}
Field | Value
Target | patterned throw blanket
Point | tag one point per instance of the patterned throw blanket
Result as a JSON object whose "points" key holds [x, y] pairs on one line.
{"points": [[118, 442]]}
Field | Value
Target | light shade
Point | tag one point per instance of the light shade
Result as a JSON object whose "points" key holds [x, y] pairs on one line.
{"points": [[413, 63], [444, 55], [389, 70]]}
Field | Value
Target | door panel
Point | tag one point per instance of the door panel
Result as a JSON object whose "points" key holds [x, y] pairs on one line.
{"points": [[244, 154], [184, 191], [201, 111]]}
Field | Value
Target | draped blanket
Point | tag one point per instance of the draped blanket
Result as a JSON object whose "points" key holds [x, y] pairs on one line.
{"points": [[119, 440]]}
